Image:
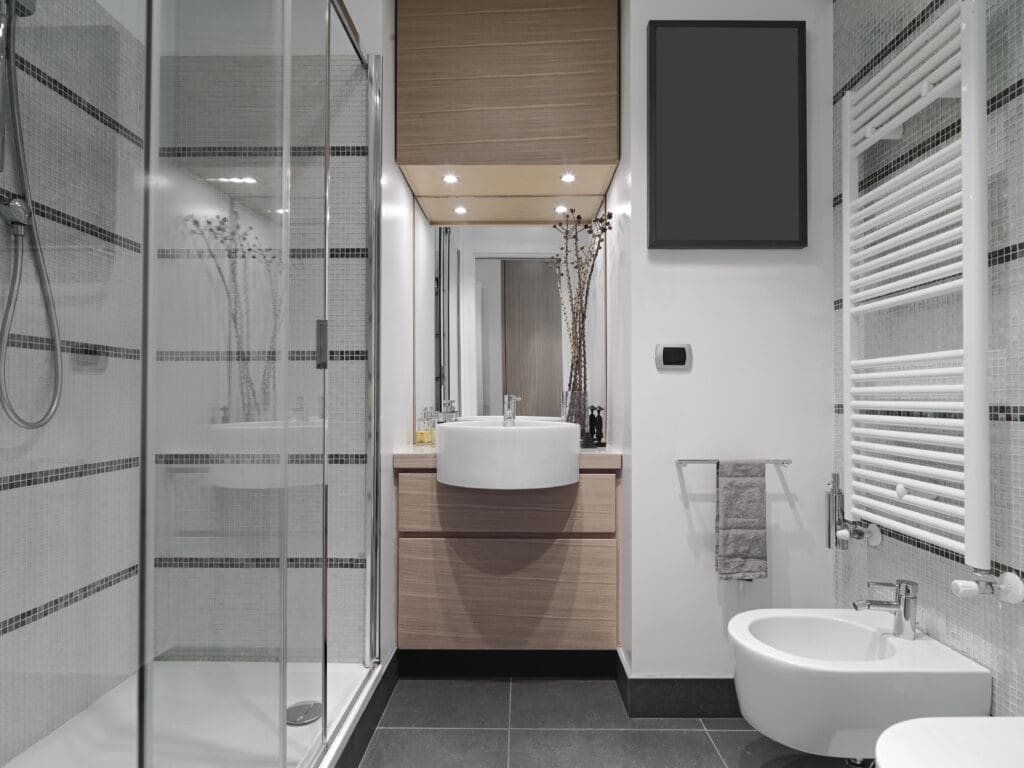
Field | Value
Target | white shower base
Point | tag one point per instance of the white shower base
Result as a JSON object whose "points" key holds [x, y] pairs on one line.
{"points": [[205, 714]]}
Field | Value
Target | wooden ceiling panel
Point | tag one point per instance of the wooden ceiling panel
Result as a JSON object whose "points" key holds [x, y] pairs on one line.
{"points": [[505, 210]]}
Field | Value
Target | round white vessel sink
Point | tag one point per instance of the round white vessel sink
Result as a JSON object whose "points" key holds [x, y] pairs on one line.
{"points": [[829, 682], [483, 453]]}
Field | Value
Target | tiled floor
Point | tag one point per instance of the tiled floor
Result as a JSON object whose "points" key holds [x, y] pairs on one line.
{"points": [[522, 723]]}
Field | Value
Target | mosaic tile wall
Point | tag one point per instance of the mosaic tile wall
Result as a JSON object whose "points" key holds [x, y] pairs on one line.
{"points": [[69, 492], [218, 505], [866, 33]]}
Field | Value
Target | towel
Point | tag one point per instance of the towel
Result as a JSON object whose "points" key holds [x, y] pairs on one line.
{"points": [[741, 550]]}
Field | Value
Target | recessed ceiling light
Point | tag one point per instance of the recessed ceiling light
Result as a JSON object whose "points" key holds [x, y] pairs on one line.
{"points": [[450, 178], [460, 210], [234, 179], [561, 209], [568, 178]]}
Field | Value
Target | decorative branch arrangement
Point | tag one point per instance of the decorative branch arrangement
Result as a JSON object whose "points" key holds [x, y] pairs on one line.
{"points": [[581, 246], [230, 248]]}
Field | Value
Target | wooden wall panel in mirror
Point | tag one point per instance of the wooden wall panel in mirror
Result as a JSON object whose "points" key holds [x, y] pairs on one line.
{"points": [[488, 320]]}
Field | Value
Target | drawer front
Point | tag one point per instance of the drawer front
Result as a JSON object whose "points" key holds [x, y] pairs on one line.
{"points": [[531, 594], [426, 506]]}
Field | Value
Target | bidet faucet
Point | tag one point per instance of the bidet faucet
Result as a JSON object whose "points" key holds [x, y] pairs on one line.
{"points": [[509, 410], [904, 607]]}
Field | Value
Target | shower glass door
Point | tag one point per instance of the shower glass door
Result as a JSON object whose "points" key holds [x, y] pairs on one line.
{"points": [[259, 505], [235, 397]]}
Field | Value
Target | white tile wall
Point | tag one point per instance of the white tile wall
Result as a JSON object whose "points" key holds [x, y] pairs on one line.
{"points": [[983, 629], [57, 537]]}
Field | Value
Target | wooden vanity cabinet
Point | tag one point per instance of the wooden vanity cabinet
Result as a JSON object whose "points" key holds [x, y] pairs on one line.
{"points": [[508, 570]]}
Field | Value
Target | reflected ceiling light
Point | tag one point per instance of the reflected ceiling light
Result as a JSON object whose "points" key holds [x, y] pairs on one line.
{"points": [[460, 210], [568, 178], [450, 178], [235, 179], [281, 210], [561, 209]]}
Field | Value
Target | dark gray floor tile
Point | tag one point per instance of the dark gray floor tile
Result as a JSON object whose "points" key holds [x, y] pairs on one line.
{"points": [[580, 704], [752, 750], [437, 748], [612, 749], [726, 724], [420, 703]]}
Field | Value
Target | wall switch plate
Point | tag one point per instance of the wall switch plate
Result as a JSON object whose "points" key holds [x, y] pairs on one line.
{"points": [[673, 357]]}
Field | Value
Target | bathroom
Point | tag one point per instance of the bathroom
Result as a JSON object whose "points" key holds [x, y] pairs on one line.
{"points": [[306, 460]]}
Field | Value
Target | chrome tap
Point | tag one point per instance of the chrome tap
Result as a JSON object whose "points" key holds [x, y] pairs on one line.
{"points": [[903, 607], [509, 410]]}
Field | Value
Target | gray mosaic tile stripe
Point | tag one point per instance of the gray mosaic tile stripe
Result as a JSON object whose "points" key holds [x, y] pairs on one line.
{"points": [[1012, 413], [41, 611], [238, 356], [215, 355], [58, 216], [294, 253], [203, 459], [55, 475], [1003, 255], [257, 562], [889, 48], [943, 552], [335, 355], [27, 341], [332, 458], [266, 151], [62, 90]]}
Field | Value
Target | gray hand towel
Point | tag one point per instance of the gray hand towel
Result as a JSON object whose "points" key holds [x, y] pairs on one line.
{"points": [[741, 550]]}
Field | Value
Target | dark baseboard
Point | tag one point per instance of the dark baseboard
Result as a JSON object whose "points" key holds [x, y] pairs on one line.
{"points": [[353, 752], [417, 663], [677, 697]]}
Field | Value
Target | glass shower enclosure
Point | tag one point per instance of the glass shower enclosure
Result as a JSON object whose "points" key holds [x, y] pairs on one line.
{"points": [[222, 597]]}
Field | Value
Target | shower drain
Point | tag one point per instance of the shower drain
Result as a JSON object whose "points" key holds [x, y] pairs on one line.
{"points": [[304, 713]]}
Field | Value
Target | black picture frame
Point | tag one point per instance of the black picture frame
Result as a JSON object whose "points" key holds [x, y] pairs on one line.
{"points": [[656, 240]]}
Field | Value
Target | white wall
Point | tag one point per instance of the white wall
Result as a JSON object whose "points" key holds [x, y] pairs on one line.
{"points": [[396, 304], [760, 325], [424, 360]]}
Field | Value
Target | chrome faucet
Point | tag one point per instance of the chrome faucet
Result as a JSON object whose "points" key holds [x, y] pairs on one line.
{"points": [[903, 607], [509, 410]]}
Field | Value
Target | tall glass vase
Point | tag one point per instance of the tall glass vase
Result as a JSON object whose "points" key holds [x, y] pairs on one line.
{"points": [[574, 409]]}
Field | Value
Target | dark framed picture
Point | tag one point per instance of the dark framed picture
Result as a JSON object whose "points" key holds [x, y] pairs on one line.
{"points": [[727, 134]]}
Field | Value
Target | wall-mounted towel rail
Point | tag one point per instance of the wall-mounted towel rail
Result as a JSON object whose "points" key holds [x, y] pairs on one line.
{"points": [[916, 442], [780, 462]]}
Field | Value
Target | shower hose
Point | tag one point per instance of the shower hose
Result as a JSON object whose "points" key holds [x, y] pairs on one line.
{"points": [[18, 215]]}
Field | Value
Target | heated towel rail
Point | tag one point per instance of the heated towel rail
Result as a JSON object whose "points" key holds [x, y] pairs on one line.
{"points": [[916, 424]]}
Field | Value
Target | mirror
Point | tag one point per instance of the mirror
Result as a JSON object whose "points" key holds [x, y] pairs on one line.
{"points": [[489, 322]]}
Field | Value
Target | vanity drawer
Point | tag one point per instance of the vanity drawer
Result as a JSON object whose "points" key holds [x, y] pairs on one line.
{"points": [[426, 506], [534, 594]]}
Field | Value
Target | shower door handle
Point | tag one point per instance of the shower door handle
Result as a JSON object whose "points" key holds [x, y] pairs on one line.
{"points": [[321, 345]]}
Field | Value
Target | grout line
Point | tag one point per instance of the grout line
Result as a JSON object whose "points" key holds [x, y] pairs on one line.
{"points": [[715, 746], [438, 728], [508, 733], [492, 728]]}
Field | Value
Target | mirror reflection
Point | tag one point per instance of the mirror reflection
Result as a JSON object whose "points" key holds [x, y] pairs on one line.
{"points": [[489, 321]]}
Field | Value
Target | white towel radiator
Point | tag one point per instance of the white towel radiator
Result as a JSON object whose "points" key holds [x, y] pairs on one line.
{"points": [[916, 438]]}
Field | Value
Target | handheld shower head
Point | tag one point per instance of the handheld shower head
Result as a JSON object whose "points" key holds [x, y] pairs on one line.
{"points": [[15, 213]]}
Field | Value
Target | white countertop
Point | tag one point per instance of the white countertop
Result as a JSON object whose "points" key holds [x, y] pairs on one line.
{"points": [[952, 742]]}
